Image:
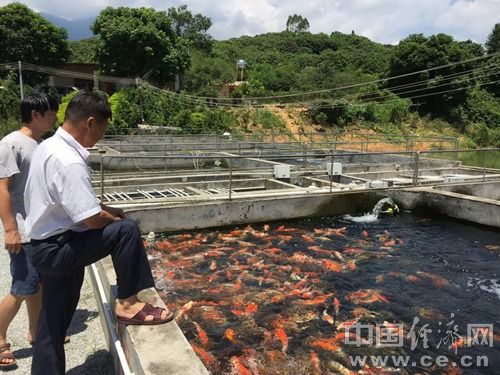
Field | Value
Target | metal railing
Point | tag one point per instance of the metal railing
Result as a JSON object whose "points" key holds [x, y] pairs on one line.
{"points": [[414, 163]]}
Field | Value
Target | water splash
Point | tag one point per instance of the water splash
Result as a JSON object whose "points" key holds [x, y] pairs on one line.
{"points": [[371, 217]]}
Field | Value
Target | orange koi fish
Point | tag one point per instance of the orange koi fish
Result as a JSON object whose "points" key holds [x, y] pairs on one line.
{"points": [[318, 300], [316, 364], [332, 265], [351, 265], [229, 334], [326, 344], [319, 250], [341, 232], [364, 296], [251, 308], [207, 358], [308, 238], [353, 250], [202, 335], [280, 334], [238, 367], [389, 243], [183, 310], [436, 280], [412, 278], [327, 317], [282, 228]]}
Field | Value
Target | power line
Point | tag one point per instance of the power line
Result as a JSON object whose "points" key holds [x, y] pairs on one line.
{"points": [[306, 93]]}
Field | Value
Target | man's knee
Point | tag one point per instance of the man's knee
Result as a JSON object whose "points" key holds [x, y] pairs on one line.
{"points": [[128, 227]]}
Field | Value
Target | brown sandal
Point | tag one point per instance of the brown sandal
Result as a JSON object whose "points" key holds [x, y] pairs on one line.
{"points": [[3, 348], [140, 317]]}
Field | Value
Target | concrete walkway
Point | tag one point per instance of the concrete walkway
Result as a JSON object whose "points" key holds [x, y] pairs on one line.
{"points": [[85, 354]]}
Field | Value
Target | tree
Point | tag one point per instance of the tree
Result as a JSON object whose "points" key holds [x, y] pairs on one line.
{"points": [[493, 41], [193, 28], [138, 41], [83, 51], [439, 91], [297, 24], [28, 37]]}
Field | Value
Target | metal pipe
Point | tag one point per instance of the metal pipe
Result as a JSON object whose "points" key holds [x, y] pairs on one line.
{"points": [[102, 178], [230, 177], [484, 166], [21, 88], [415, 170]]}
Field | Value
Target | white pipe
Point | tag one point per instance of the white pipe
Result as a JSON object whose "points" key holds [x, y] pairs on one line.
{"points": [[108, 315]]}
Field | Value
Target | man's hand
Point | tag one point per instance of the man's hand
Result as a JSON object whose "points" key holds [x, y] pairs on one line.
{"points": [[116, 212], [12, 241]]}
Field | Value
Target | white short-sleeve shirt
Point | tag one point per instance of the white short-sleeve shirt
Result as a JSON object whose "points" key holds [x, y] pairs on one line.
{"points": [[59, 194]]}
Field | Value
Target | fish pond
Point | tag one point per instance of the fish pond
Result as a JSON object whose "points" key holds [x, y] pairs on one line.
{"points": [[337, 296]]}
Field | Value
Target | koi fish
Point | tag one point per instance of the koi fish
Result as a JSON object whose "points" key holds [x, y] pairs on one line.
{"points": [[341, 232], [330, 344], [251, 308], [339, 368], [207, 358], [315, 362], [183, 310], [332, 265], [436, 280], [202, 335], [229, 334], [318, 300], [280, 334], [364, 296], [308, 238], [238, 367], [327, 317], [495, 248]]}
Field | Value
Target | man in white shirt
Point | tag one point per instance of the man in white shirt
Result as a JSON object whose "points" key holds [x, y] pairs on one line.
{"points": [[70, 229], [38, 115]]}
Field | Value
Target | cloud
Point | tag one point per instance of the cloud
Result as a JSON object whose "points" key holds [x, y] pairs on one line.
{"points": [[385, 21]]}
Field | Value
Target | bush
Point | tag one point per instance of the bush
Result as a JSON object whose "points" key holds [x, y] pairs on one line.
{"points": [[267, 119]]}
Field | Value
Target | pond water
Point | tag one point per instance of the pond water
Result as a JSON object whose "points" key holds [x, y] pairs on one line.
{"points": [[306, 296]]}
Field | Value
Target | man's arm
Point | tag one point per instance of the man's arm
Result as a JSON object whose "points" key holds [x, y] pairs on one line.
{"points": [[100, 220], [12, 236]]}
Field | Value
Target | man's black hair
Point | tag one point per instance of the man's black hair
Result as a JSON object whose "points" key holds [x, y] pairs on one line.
{"points": [[37, 102], [88, 104]]}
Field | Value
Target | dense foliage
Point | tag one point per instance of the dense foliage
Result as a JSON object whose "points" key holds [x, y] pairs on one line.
{"points": [[28, 37], [134, 42], [83, 51]]}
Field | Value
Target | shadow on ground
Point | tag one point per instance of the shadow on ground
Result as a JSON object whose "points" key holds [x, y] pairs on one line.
{"points": [[98, 363], [80, 319]]}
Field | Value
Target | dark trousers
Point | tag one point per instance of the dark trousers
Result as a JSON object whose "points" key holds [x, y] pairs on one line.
{"points": [[61, 261]]}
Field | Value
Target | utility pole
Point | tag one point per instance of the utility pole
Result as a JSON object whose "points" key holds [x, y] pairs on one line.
{"points": [[141, 102], [21, 89]]}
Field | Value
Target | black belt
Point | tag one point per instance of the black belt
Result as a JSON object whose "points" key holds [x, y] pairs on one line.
{"points": [[60, 238]]}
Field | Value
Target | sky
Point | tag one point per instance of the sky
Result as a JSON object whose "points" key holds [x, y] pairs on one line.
{"points": [[384, 21]]}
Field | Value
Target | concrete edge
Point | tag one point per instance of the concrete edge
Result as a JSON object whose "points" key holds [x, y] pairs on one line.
{"points": [[161, 349]]}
